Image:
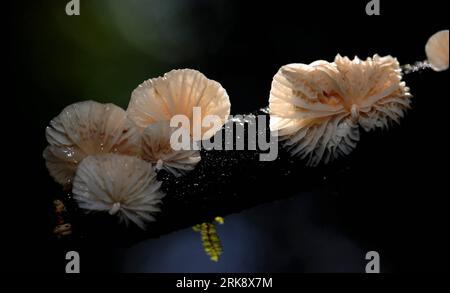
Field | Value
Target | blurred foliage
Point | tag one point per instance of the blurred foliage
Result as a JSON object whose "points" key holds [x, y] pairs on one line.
{"points": [[113, 46]]}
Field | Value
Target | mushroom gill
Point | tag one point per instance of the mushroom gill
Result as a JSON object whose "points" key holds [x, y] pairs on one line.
{"points": [[317, 109], [178, 92], [157, 149]]}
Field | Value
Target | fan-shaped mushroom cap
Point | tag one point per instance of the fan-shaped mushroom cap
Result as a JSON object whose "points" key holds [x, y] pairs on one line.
{"points": [[157, 149], [318, 108], [178, 92], [437, 50], [121, 185], [87, 128]]}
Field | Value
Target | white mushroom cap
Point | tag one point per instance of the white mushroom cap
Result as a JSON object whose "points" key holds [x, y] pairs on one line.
{"points": [[121, 185], [156, 148], [87, 128], [437, 50], [178, 92], [318, 108]]}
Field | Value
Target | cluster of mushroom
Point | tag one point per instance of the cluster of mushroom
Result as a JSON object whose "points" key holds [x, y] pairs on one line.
{"points": [[108, 157]]}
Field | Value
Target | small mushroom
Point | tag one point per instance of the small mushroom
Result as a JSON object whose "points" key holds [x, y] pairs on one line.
{"points": [[123, 186], [317, 109], [87, 128], [178, 92], [157, 149], [437, 50]]}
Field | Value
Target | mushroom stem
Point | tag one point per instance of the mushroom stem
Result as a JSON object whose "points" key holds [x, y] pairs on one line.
{"points": [[115, 208]]}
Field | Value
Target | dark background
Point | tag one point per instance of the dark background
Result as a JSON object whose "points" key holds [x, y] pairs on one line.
{"points": [[393, 200]]}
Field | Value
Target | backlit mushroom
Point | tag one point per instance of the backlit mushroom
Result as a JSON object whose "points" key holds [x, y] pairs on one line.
{"points": [[177, 93], [157, 149], [437, 50], [87, 128], [317, 109]]}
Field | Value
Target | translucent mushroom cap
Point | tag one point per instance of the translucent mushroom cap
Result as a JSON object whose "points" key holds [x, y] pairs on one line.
{"points": [[437, 50], [121, 185], [178, 92], [318, 108], [157, 149], [87, 128]]}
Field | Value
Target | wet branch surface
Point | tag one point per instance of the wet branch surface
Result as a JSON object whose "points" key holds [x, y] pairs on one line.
{"points": [[223, 183]]}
